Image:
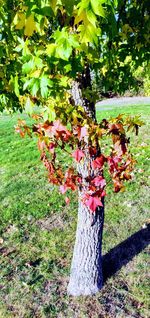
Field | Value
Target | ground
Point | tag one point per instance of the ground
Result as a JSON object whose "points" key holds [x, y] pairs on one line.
{"points": [[38, 230]]}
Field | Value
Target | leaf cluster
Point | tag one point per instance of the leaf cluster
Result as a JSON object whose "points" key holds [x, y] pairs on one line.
{"points": [[81, 142]]}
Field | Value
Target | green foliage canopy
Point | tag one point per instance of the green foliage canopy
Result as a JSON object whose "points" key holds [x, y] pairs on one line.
{"points": [[45, 45]]}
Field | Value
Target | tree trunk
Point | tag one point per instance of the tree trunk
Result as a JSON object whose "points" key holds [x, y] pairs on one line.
{"points": [[86, 269]]}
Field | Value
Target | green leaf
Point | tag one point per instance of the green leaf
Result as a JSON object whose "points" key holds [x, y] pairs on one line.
{"points": [[68, 5], [28, 67], [51, 49], [73, 40], [68, 68], [64, 81], [45, 83], [98, 8], [28, 83], [89, 34], [16, 86], [91, 17], [53, 4], [29, 106], [35, 87], [23, 46], [49, 114], [45, 11], [65, 42], [84, 4], [64, 51]]}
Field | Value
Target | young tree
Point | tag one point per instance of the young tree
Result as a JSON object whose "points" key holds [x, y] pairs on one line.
{"points": [[51, 50]]}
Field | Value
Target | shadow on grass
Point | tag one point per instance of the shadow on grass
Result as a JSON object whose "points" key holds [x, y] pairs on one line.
{"points": [[124, 252]]}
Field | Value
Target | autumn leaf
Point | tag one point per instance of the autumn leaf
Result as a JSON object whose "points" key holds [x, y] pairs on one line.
{"points": [[78, 155], [67, 200], [63, 189], [113, 163], [61, 131], [98, 162], [83, 133], [19, 131], [99, 181], [103, 194], [30, 26], [118, 185], [20, 20], [116, 129], [51, 147], [41, 145], [93, 203]]}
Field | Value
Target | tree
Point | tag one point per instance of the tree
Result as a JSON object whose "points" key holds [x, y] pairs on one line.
{"points": [[52, 51]]}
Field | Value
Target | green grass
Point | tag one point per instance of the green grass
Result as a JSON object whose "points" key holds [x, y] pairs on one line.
{"points": [[38, 230]]}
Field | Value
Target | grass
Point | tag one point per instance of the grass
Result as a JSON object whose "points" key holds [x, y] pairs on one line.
{"points": [[38, 230]]}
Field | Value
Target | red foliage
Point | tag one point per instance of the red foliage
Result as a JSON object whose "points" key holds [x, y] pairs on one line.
{"points": [[99, 181], [67, 200], [93, 203], [83, 133], [63, 188], [99, 162], [83, 141], [78, 155]]}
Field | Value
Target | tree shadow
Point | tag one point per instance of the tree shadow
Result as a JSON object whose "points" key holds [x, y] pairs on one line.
{"points": [[124, 252]]}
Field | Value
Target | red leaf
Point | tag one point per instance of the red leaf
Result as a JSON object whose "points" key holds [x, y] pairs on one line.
{"points": [[99, 182], [41, 144], [61, 131], [67, 200], [20, 131], [70, 183], [93, 203], [98, 162], [79, 179], [92, 151], [117, 185], [78, 155], [63, 189], [103, 194], [51, 147], [113, 163], [71, 179], [116, 128], [83, 133], [53, 179]]}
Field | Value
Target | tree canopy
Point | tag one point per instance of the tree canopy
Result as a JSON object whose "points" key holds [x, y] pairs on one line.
{"points": [[45, 44]]}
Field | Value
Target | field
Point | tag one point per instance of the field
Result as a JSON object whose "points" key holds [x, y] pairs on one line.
{"points": [[38, 231]]}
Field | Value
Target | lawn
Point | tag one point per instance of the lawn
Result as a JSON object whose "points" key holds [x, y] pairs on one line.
{"points": [[38, 230]]}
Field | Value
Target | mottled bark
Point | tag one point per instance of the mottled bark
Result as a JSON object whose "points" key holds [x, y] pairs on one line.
{"points": [[86, 269]]}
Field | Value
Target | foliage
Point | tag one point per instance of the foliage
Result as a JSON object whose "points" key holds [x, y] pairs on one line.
{"points": [[47, 47], [126, 47], [54, 136], [142, 75], [46, 44]]}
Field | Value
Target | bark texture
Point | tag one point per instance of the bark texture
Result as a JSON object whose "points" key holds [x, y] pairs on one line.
{"points": [[86, 269]]}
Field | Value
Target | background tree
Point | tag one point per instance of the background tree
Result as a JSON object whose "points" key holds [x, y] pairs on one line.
{"points": [[51, 52]]}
